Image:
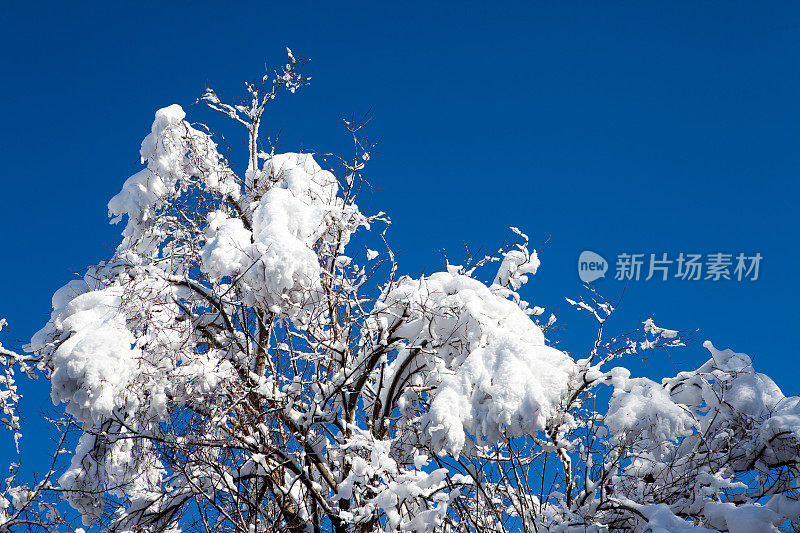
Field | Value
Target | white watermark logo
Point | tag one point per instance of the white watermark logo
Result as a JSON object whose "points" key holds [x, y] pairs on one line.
{"points": [[716, 266], [591, 266]]}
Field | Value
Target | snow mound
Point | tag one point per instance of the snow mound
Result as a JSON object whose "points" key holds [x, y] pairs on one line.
{"points": [[492, 373], [277, 260]]}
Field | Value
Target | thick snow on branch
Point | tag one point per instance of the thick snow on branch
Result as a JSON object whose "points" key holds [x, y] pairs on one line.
{"points": [[485, 358], [294, 207], [176, 154]]}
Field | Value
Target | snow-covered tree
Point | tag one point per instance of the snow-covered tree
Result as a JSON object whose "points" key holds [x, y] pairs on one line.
{"points": [[246, 362]]}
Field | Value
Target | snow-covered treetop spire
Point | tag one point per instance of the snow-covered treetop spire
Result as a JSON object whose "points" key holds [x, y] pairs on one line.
{"points": [[250, 114]]}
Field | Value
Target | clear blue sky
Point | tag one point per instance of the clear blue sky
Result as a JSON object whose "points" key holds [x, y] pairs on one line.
{"points": [[643, 127]]}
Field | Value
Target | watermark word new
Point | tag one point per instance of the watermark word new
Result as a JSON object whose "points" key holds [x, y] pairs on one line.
{"points": [[684, 266]]}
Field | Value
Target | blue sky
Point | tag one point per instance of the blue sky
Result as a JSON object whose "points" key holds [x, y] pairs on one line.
{"points": [[636, 127]]}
